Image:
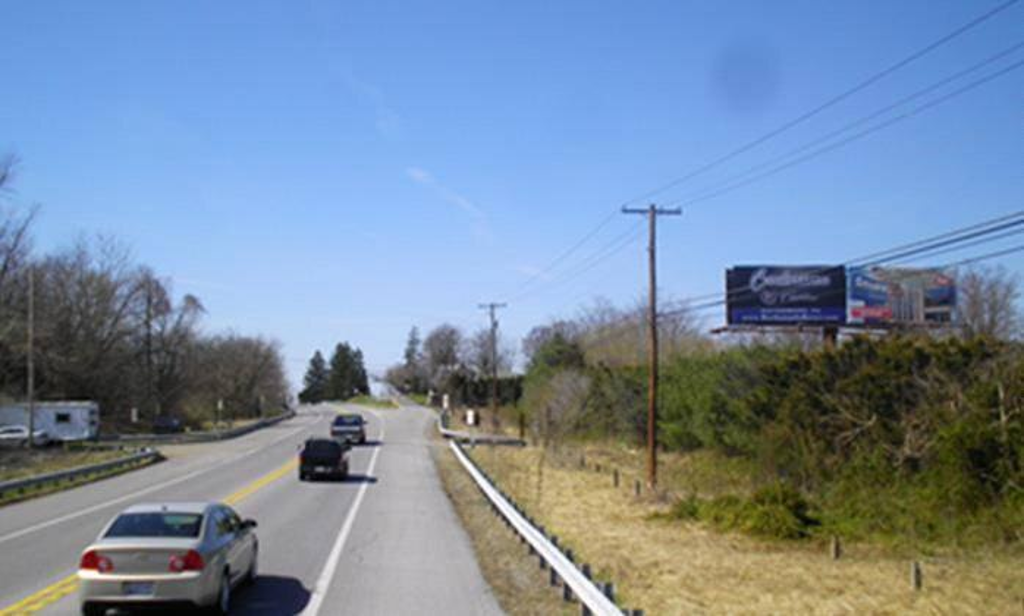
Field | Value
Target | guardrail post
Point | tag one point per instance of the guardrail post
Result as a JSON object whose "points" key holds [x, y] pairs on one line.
{"points": [[609, 590], [636, 488], [554, 577], [615, 477]]}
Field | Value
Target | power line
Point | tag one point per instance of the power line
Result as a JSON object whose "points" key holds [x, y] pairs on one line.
{"points": [[602, 254], [828, 103], [571, 250], [863, 120], [846, 141]]}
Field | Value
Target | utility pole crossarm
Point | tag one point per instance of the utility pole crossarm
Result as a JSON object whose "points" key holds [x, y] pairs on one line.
{"points": [[652, 212]]}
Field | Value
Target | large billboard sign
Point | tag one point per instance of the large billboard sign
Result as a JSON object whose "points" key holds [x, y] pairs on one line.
{"points": [[834, 295], [786, 295]]}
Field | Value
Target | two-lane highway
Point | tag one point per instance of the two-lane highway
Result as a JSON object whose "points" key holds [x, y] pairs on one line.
{"points": [[385, 541]]}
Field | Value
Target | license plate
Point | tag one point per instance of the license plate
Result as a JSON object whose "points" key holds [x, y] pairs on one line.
{"points": [[138, 588], [323, 469]]}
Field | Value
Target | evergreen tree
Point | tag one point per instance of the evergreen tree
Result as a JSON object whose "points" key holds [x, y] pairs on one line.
{"points": [[347, 376], [315, 380]]}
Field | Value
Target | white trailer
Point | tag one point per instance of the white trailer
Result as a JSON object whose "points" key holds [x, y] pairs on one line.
{"points": [[62, 421]]}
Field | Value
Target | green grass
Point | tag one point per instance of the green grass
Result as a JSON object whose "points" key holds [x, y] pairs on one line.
{"points": [[380, 403], [420, 399], [22, 494], [19, 463]]}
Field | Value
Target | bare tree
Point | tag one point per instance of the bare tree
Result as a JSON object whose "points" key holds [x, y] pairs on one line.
{"points": [[987, 303], [442, 350], [477, 353]]}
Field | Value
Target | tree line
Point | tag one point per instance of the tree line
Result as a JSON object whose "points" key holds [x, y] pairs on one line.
{"points": [[344, 378], [447, 361], [111, 330]]}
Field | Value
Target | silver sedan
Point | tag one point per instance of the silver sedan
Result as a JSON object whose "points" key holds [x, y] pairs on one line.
{"points": [[188, 554]]}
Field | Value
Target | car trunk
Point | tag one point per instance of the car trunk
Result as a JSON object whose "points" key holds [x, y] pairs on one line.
{"points": [[143, 555]]}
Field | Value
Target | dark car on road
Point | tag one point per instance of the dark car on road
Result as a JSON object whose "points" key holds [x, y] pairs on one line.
{"points": [[349, 428], [323, 457], [165, 424]]}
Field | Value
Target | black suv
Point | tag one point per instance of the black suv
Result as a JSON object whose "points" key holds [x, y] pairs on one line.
{"points": [[323, 457], [349, 428]]}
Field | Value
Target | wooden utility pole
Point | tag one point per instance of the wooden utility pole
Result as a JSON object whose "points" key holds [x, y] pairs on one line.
{"points": [[31, 367], [491, 308], [652, 212]]}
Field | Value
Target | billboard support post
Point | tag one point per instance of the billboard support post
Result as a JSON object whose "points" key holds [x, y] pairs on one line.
{"points": [[829, 336], [652, 212]]}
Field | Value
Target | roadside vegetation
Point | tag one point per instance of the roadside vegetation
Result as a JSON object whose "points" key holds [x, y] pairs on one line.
{"points": [[668, 565], [17, 463], [898, 448], [112, 330], [23, 463]]}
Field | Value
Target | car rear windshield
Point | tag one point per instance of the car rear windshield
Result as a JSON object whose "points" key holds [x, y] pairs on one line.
{"points": [[163, 524], [323, 448], [348, 420]]}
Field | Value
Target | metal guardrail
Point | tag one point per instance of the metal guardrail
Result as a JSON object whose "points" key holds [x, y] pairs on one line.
{"points": [[478, 439], [582, 586], [146, 456], [198, 437]]}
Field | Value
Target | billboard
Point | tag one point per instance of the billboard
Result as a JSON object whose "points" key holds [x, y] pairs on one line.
{"points": [[882, 295], [786, 295], [834, 295], [868, 297]]}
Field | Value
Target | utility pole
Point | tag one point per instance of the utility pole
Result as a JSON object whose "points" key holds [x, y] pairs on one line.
{"points": [[652, 212], [31, 357], [491, 308]]}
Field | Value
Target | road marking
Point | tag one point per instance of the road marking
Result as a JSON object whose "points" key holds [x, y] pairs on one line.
{"points": [[33, 603], [263, 481], [60, 589], [134, 495], [323, 583]]}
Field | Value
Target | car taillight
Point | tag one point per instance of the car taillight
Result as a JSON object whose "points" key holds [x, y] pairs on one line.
{"points": [[191, 561], [95, 561]]}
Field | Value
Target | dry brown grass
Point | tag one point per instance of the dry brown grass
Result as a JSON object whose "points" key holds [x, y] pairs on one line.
{"points": [[516, 579], [18, 463], [671, 567]]}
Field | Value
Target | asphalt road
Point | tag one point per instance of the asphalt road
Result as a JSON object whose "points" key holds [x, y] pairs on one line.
{"points": [[384, 542]]}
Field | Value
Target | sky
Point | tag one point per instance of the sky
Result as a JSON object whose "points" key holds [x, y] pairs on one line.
{"points": [[322, 171]]}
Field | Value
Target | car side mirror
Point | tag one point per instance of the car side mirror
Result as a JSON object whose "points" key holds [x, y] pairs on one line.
{"points": [[250, 523]]}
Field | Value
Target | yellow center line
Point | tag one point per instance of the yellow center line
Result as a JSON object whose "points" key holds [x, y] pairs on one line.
{"points": [[60, 589], [262, 482]]}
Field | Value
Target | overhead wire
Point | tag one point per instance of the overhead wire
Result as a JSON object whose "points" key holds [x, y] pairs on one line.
{"points": [[862, 85], [718, 192], [858, 122]]}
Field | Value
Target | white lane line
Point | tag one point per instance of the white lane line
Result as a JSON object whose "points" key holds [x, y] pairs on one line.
{"points": [[98, 507], [323, 583]]}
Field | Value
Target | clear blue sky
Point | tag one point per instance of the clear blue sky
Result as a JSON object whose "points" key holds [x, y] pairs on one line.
{"points": [[318, 171]]}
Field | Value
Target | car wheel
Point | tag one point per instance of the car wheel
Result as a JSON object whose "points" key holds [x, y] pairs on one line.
{"points": [[223, 604], [250, 577]]}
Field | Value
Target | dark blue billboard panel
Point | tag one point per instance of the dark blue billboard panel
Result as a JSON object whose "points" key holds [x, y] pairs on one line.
{"points": [[785, 295]]}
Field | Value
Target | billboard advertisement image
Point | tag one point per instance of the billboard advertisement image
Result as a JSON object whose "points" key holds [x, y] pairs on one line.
{"points": [[786, 295]]}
